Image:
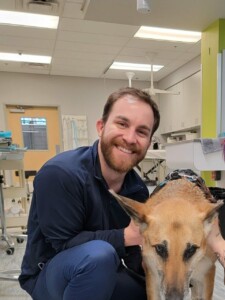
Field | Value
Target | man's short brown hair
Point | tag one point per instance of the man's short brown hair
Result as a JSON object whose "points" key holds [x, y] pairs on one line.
{"points": [[137, 93]]}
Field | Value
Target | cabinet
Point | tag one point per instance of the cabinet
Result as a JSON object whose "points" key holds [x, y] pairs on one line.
{"points": [[183, 111]]}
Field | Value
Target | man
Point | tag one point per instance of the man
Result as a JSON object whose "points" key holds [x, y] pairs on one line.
{"points": [[81, 244]]}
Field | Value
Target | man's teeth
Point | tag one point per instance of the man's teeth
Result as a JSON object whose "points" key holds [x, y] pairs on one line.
{"points": [[125, 150]]}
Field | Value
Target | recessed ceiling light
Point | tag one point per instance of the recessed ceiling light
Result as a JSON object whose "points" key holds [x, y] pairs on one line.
{"points": [[167, 34], [25, 58], [135, 67], [27, 19]]}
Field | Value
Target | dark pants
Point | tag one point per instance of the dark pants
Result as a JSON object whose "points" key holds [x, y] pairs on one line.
{"points": [[89, 271]]}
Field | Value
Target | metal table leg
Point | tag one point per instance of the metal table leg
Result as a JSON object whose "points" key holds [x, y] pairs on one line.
{"points": [[9, 275]]}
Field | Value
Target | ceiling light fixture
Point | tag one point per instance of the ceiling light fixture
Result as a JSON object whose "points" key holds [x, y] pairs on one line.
{"points": [[143, 6], [27, 19], [116, 65], [25, 58], [167, 34]]}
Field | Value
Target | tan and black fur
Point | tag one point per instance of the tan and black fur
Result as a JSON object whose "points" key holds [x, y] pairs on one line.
{"points": [[174, 224]]}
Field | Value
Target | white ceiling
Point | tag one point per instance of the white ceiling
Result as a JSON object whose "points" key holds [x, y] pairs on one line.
{"points": [[94, 33]]}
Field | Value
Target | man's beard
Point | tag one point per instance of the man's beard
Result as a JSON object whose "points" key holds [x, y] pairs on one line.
{"points": [[114, 162]]}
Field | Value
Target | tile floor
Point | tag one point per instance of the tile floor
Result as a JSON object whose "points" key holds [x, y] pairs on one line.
{"points": [[10, 290]]}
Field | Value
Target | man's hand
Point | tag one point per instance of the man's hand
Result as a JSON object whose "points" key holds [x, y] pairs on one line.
{"points": [[217, 244], [132, 235]]}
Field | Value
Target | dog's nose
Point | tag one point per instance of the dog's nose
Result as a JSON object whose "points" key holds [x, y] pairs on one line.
{"points": [[174, 294]]}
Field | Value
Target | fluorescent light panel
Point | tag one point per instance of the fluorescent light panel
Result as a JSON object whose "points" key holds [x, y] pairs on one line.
{"points": [[134, 67], [167, 34], [27, 19], [25, 58]]}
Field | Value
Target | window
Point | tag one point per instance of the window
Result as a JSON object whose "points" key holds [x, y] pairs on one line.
{"points": [[34, 133]]}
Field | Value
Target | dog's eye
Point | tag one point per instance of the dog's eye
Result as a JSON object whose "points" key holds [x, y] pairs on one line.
{"points": [[161, 250], [190, 251]]}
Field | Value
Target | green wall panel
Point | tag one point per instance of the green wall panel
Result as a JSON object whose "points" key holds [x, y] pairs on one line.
{"points": [[212, 43]]}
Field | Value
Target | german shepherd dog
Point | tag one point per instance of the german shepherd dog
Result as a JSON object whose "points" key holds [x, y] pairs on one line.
{"points": [[174, 223]]}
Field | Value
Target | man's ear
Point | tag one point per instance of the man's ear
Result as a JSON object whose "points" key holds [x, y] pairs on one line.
{"points": [[99, 127]]}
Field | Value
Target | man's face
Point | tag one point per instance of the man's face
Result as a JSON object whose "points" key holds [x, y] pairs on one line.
{"points": [[125, 137]]}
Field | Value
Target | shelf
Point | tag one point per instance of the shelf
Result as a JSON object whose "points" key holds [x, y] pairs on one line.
{"points": [[155, 154], [14, 221], [14, 192], [181, 130]]}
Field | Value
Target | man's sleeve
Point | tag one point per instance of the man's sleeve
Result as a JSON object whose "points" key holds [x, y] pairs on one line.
{"points": [[62, 213]]}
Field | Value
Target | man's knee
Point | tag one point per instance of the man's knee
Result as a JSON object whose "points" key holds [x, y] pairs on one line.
{"points": [[100, 255], [92, 264]]}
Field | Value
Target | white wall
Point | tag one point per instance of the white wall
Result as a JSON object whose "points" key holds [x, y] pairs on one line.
{"points": [[73, 95], [181, 74]]}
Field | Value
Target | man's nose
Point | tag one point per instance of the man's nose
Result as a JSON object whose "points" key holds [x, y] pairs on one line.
{"points": [[130, 136]]}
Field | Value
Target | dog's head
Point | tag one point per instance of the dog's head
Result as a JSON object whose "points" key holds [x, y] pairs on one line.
{"points": [[174, 224]]}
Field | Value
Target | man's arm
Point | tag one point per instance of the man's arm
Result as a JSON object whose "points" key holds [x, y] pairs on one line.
{"points": [[62, 212]]}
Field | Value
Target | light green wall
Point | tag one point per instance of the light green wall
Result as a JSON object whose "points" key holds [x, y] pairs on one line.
{"points": [[213, 42], [221, 35]]}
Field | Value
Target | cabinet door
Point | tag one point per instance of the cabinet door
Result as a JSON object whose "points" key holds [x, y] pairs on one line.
{"points": [[192, 100], [182, 111], [170, 110]]}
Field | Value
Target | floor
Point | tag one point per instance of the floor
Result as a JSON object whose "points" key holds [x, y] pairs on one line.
{"points": [[10, 290]]}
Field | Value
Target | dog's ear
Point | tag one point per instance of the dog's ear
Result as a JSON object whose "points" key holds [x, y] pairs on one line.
{"points": [[209, 212], [133, 208]]}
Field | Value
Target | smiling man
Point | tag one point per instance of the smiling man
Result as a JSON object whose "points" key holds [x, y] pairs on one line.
{"points": [[81, 244], [124, 137]]}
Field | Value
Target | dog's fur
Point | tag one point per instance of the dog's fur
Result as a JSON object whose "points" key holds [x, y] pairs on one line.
{"points": [[174, 224]]}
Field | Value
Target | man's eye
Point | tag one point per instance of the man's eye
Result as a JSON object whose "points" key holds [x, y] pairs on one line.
{"points": [[121, 125], [143, 133]]}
